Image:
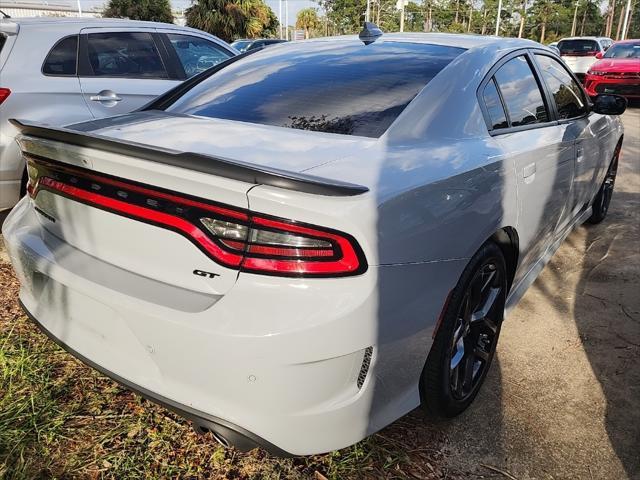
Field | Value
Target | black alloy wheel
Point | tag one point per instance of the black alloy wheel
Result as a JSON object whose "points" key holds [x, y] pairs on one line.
{"points": [[466, 341], [602, 200]]}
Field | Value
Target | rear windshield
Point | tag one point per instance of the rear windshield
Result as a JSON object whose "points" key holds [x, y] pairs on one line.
{"points": [[578, 47], [624, 50], [342, 87]]}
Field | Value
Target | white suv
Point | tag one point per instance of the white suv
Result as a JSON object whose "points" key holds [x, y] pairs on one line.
{"points": [[579, 53], [63, 71]]}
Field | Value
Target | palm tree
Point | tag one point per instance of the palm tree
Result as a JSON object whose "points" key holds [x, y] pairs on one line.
{"points": [[308, 19], [231, 19]]}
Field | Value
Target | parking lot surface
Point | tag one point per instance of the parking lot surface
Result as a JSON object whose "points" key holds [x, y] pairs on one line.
{"points": [[562, 398]]}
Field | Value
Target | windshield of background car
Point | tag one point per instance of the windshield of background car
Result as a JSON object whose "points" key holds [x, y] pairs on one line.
{"points": [[241, 46], [578, 48], [624, 50], [339, 86]]}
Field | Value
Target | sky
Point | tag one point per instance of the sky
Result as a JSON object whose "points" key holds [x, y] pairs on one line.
{"points": [[294, 6]]}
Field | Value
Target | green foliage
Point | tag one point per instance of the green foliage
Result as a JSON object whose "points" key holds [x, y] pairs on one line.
{"points": [[232, 19], [554, 18], [307, 19], [345, 16], [151, 10]]}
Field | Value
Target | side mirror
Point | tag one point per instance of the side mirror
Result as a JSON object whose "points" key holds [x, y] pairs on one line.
{"points": [[607, 104], [599, 55]]}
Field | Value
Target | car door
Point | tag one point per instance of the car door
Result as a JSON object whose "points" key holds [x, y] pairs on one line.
{"points": [[122, 69], [571, 107], [542, 152], [193, 54]]}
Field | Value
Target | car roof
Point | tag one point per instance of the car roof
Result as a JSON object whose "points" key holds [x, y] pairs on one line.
{"points": [[466, 41], [629, 40], [87, 22], [585, 37]]}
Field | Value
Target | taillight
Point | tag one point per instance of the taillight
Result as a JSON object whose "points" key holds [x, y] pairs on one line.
{"points": [[231, 237], [4, 94]]}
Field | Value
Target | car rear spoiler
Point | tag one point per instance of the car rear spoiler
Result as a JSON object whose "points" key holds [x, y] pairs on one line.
{"points": [[221, 167]]}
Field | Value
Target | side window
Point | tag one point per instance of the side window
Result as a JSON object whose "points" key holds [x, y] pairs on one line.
{"points": [[125, 54], [197, 54], [494, 106], [62, 58], [566, 92], [520, 92]]}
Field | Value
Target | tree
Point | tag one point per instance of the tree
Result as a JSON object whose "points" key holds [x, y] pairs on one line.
{"points": [[307, 19], [346, 16], [544, 12], [272, 27], [232, 19], [151, 10]]}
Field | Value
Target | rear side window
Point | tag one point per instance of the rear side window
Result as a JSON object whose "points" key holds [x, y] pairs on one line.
{"points": [[197, 54], [520, 92], [63, 57], [125, 54], [494, 106], [565, 90], [342, 86], [3, 39], [578, 47]]}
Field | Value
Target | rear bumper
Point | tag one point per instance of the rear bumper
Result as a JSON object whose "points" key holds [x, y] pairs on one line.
{"points": [[274, 362], [224, 431]]}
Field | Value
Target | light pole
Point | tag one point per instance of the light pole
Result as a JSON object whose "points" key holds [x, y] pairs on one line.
{"points": [[498, 19], [79, 9], [280, 16], [626, 21], [286, 16], [575, 20], [400, 6]]}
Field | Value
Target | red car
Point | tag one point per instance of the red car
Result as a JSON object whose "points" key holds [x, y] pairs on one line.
{"points": [[617, 71]]}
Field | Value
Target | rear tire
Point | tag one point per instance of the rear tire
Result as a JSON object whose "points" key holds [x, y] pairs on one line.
{"points": [[466, 341], [602, 200]]}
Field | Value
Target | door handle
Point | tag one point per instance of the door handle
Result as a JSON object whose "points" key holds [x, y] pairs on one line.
{"points": [[529, 170], [104, 98], [108, 98]]}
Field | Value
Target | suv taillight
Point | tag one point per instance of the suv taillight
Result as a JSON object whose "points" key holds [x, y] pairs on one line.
{"points": [[232, 237], [4, 94]]}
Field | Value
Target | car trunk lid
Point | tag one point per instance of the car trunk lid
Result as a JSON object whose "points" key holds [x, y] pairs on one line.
{"points": [[145, 209]]}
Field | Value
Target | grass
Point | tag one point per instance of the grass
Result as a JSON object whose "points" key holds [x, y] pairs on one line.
{"points": [[61, 419]]}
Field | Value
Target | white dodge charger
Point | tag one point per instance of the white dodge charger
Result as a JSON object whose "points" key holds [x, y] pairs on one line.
{"points": [[297, 247]]}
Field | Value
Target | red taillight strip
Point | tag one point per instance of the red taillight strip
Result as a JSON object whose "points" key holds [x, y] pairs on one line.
{"points": [[279, 251], [149, 192], [167, 196], [343, 257], [145, 214]]}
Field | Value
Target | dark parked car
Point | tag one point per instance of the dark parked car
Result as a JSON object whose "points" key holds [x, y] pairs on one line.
{"points": [[244, 45]]}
